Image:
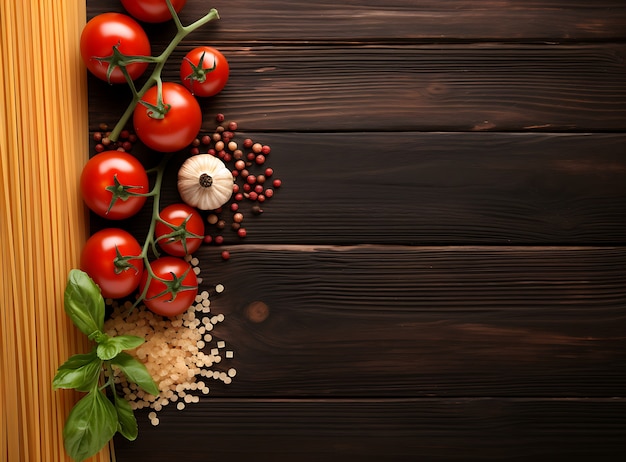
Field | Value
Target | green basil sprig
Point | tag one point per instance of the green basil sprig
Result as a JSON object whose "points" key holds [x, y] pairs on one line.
{"points": [[95, 419]]}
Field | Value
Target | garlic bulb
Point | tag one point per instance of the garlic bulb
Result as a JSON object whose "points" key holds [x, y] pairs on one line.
{"points": [[205, 182]]}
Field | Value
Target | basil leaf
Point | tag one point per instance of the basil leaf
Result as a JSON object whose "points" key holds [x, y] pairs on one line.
{"points": [[84, 303], [80, 371], [128, 342], [110, 347], [89, 426], [126, 422], [136, 372]]}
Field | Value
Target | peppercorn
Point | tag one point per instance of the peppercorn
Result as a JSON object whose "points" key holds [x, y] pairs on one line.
{"points": [[225, 254], [220, 118]]}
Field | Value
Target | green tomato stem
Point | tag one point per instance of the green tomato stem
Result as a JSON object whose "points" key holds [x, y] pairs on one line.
{"points": [[155, 76]]}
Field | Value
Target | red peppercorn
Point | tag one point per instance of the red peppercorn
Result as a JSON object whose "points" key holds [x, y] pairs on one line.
{"points": [[277, 183], [247, 187], [232, 126], [208, 239], [269, 193], [251, 156], [212, 152], [260, 159], [225, 254], [261, 198], [258, 189], [269, 172], [241, 232], [124, 134], [257, 148], [240, 165], [253, 195], [238, 217], [228, 157], [127, 145], [97, 137], [266, 149], [260, 179], [235, 188], [247, 143], [194, 151], [235, 173], [244, 173], [219, 240], [99, 147], [220, 118], [195, 142], [234, 206], [251, 179], [239, 197]]}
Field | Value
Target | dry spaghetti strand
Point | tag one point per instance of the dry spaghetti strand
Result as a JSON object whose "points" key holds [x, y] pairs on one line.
{"points": [[42, 220]]}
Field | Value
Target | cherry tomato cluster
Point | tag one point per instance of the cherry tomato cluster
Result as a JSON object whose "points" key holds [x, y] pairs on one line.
{"points": [[166, 117]]}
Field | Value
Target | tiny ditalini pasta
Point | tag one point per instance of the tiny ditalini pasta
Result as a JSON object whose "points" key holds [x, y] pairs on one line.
{"points": [[43, 225]]}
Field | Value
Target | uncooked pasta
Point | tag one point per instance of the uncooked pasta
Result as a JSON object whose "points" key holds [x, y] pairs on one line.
{"points": [[43, 146]]}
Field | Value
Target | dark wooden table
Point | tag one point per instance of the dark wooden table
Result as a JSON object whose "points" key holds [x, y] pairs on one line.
{"points": [[445, 265]]}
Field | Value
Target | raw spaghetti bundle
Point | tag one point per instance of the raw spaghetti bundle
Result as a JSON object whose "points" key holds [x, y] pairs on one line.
{"points": [[43, 146]]}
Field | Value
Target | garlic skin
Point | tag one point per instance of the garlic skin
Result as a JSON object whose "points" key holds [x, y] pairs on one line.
{"points": [[205, 182]]}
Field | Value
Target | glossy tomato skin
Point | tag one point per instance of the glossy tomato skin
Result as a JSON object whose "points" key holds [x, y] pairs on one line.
{"points": [[100, 172], [104, 31], [214, 80], [178, 127], [153, 11], [175, 215], [98, 261], [164, 304]]}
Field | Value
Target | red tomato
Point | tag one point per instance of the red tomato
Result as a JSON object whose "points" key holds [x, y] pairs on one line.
{"points": [[181, 240], [175, 296], [105, 259], [152, 10], [102, 33], [109, 172], [204, 71], [178, 126]]}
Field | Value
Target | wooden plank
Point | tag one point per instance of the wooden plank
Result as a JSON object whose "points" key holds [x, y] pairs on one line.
{"points": [[404, 321], [410, 87], [435, 188], [374, 21], [389, 430]]}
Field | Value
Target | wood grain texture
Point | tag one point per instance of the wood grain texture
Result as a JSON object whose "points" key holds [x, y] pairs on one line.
{"points": [[434, 188], [359, 21], [390, 430], [405, 321], [412, 87], [445, 265]]}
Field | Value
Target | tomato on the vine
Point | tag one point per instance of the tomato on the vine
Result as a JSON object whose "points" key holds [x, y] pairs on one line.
{"points": [[171, 124], [112, 258], [109, 182], [153, 11], [177, 293], [204, 71], [183, 231], [104, 32]]}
